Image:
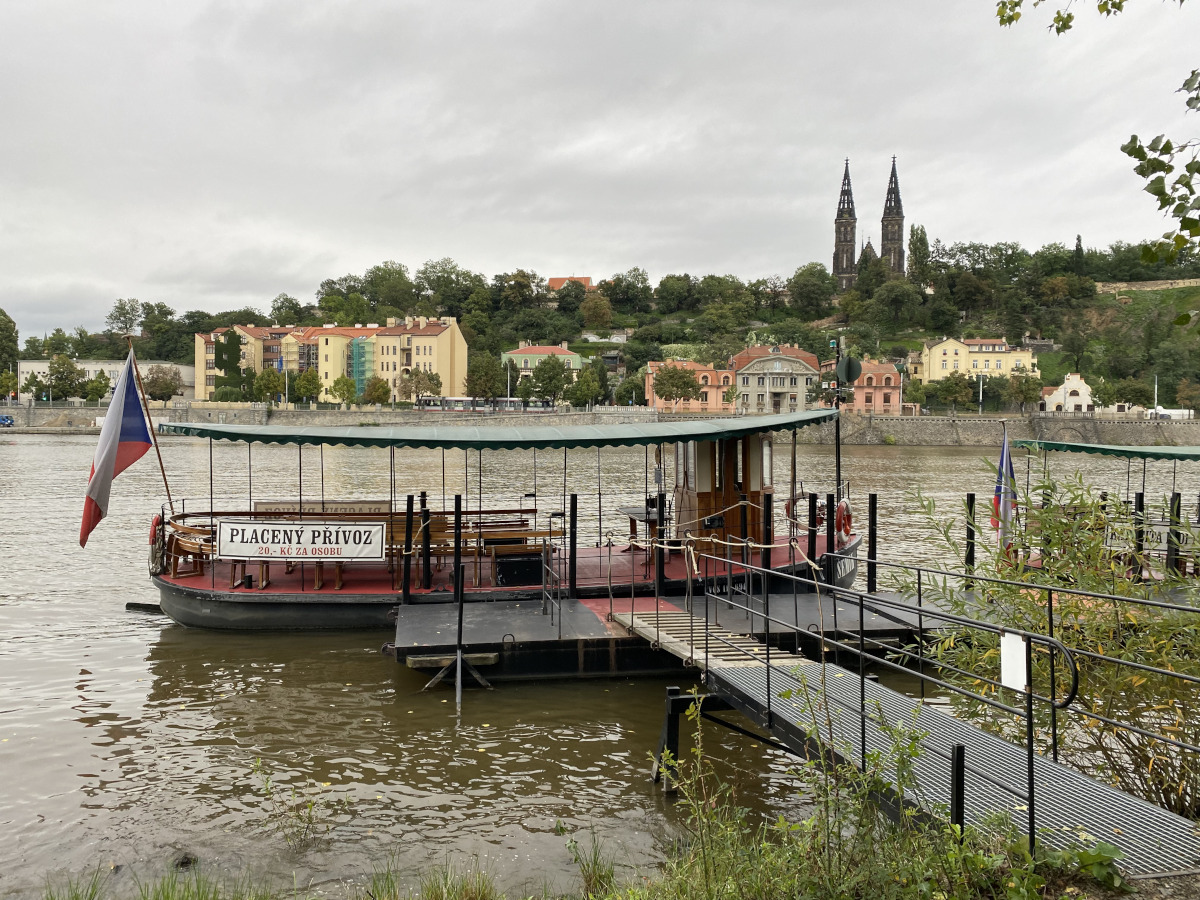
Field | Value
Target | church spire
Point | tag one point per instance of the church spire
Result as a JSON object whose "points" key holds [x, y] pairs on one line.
{"points": [[845, 223], [892, 205], [891, 240], [846, 201]]}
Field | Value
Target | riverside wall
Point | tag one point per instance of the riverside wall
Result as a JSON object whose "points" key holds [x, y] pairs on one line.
{"points": [[928, 431]]}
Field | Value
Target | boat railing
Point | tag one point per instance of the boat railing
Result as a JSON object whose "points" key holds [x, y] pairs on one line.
{"points": [[552, 584]]}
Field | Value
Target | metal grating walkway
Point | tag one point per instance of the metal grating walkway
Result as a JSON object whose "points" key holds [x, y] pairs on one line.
{"points": [[1070, 807]]}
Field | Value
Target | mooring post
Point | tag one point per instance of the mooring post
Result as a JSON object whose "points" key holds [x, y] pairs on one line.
{"points": [[1139, 533], [812, 527], [426, 572], [668, 742], [1174, 535], [872, 538], [830, 536], [660, 572], [459, 596], [957, 787], [970, 558], [744, 532], [768, 530], [572, 559], [406, 587]]}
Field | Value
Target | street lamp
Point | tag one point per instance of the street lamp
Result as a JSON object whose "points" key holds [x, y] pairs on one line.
{"points": [[980, 377]]}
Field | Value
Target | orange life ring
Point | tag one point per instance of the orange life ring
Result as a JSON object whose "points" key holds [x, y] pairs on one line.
{"points": [[787, 508], [843, 519], [155, 524]]}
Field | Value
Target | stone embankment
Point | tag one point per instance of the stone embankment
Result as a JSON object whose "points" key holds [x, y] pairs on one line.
{"points": [[929, 431]]}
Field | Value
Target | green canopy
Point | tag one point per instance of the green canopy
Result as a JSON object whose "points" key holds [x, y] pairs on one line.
{"points": [[508, 437], [1172, 453]]}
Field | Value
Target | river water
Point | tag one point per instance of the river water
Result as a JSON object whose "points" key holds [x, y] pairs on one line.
{"points": [[125, 739]]}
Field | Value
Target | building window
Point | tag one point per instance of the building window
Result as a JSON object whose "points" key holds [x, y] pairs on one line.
{"points": [[887, 398], [704, 379], [725, 380], [975, 364], [745, 381], [870, 381], [997, 364], [704, 396], [887, 381], [795, 381], [943, 364], [956, 365], [760, 398], [985, 363], [524, 364], [210, 380], [745, 399], [761, 380], [869, 399]]}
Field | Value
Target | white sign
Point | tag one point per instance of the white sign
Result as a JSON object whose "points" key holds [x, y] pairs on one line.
{"points": [[1012, 661], [272, 539], [379, 507]]}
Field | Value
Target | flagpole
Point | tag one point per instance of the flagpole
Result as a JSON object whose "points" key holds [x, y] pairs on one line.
{"points": [[137, 373]]}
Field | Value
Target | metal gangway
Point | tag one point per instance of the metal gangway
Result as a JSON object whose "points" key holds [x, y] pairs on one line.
{"points": [[727, 631]]}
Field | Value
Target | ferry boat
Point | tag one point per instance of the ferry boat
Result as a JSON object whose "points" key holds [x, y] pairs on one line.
{"points": [[306, 563]]}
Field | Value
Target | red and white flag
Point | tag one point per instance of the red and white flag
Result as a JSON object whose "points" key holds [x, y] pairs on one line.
{"points": [[124, 438]]}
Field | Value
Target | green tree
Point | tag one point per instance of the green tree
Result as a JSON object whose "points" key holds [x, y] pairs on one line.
{"points": [[227, 394], [673, 383], [65, 378], [1134, 392], [345, 389], [872, 273], [97, 388], [628, 291], [1023, 388], [896, 301], [8, 385], [914, 392], [600, 370], [920, 269], [35, 386], [9, 343], [57, 344], [376, 390], [631, 391], [1187, 394], [586, 390], [1075, 348], [449, 286], [1104, 394], [387, 287], [512, 377], [268, 384], [426, 384], [596, 311], [521, 290], [570, 297], [306, 385], [550, 378], [811, 289], [32, 348], [485, 377], [286, 310], [954, 389], [162, 382], [675, 293], [124, 317]]}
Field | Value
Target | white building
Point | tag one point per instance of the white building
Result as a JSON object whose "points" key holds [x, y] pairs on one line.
{"points": [[110, 367], [1073, 395]]}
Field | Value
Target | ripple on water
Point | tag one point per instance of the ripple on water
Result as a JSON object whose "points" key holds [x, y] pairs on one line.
{"points": [[124, 739]]}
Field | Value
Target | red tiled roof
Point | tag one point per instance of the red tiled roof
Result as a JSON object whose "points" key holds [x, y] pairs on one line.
{"points": [[750, 354], [555, 283], [542, 351]]}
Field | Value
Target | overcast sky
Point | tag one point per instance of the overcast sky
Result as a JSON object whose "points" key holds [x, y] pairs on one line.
{"points": [[213, 155]]}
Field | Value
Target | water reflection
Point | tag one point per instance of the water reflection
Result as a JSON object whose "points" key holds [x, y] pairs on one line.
{"points": [[124, 740]]}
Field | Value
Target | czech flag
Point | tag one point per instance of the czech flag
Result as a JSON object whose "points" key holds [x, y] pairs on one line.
{"points": [[124, 438], [1005, 500]]}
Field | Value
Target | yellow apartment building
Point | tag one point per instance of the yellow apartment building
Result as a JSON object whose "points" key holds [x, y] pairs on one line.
{"points": [[972, 357]]}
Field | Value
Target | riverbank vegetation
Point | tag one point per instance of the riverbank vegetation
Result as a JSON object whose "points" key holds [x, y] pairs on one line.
{"points": [[1122, 340], [850, 846], [1137, 645]]}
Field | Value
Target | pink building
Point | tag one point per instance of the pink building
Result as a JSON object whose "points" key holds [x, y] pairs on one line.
{"points": [[713, 385], [878, 390]]}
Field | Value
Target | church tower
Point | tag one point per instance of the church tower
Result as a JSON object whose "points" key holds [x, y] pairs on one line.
{"points": [[891, 239], [844, 239]]}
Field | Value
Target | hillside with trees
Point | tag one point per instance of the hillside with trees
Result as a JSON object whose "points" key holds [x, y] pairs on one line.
{"points": [[958, 289]]}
